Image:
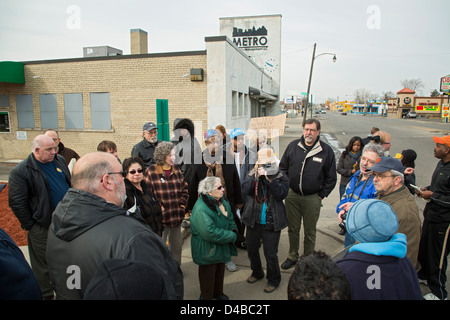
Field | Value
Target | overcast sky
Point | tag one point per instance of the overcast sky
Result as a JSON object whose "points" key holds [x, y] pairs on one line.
{"points": [[377, 43]]}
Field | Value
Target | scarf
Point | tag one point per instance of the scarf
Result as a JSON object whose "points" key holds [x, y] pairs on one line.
{"points": [[394, 247], [217, 166]]}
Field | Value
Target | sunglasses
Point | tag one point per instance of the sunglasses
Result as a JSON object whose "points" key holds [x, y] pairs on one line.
{"points": [[219, 188], [134, 171]]}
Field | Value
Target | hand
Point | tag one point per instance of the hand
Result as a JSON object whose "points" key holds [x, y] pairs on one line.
{"points": [[409, 170], [346, 206], [262, 172], [340, 215], [426, 194]]}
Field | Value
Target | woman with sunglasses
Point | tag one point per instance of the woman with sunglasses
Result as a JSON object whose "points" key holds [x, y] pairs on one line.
{"points": [[140, 200]]}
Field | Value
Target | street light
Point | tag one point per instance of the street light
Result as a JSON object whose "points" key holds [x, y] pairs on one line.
{"points": [[310, 75]]}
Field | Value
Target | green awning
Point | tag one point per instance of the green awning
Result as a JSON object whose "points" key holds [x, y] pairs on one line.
{"points": [[12, 72]]}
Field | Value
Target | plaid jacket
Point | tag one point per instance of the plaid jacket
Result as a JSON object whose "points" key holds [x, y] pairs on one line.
{"points": [[171, 192]]}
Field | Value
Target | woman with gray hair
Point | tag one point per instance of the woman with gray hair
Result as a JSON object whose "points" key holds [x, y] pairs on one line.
{"points": [[166, 182], [213, 234]]}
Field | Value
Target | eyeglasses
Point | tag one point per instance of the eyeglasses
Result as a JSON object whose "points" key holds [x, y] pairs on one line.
{"points": [[120, 172], [379, 176], [134, 171], [364, 159]]}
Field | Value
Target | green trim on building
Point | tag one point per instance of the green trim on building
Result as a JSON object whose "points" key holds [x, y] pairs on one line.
{"points": [[12, 72]]}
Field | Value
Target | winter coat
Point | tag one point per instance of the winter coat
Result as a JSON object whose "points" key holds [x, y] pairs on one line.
{"points": [[276, 192], [86, 230], [149, 208], [438, 209], [405, 207], [355, 190], [380, 271], [29, 192], [145, 151], [232, 183], [212, 233], [171, 192], [346, 164], [312, 171]]}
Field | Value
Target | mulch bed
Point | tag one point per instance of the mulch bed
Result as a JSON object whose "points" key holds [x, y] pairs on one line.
{"points": [[9, 222]]}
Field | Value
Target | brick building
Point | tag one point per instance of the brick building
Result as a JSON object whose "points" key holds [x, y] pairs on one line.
{"points": [[110, 97]]}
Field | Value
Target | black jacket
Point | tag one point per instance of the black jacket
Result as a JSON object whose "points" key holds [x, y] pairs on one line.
{"points": [[276, 191], [86, 230], [312, 171], [29, 193], [232, 183], [438, 209], [145, 151]]}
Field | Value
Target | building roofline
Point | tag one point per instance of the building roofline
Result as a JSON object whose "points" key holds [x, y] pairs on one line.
{"points": [[120, 57]]}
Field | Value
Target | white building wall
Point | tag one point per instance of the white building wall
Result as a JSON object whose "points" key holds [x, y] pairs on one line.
{"points": [[230, 74]]}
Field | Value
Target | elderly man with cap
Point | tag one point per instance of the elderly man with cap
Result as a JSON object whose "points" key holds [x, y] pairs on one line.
{"points": [[434, 243], [376, 267], [389, 184], [146, 147]]}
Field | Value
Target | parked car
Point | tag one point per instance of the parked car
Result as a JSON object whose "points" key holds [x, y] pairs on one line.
{"points": [[344, 113], [411, 114]]}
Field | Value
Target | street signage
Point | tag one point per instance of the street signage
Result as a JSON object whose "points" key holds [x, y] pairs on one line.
{"points": [[445, 84]]}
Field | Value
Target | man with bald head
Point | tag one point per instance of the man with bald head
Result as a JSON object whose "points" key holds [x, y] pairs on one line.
{"points": [[90, 226], [36, 185]]}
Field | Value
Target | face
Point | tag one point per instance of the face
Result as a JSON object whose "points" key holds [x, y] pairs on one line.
{"points": [[151, 136], [368, 159], [385, 182], [440, 150], [135, 173], [113, 152], [119, 184], [212, 145], [218, 191], [170, 158], [54, 136], [356, 146], [238, 142], [46, 152], [310, 133]]}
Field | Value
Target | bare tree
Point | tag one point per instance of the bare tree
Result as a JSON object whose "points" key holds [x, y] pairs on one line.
{"points": [[413, 84], [361, 96], [387, 95]]}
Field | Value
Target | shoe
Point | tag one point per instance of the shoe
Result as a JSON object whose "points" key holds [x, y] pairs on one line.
{"points": [[288, 264], [269, 288], [431, 296], [231, 266], [253, 279], [222, 296]]}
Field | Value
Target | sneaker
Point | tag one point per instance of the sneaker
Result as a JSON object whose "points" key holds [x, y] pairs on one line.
{"points": [[231, 266], [431, 296]]}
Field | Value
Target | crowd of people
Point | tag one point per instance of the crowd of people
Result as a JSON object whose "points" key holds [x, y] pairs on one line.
{"points": [[96, 220]]}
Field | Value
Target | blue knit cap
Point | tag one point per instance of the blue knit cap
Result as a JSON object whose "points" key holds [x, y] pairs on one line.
{"points": [[371, 220]]}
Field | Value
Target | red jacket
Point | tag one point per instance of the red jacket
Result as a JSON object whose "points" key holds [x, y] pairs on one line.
{"points": [[171, 192]]}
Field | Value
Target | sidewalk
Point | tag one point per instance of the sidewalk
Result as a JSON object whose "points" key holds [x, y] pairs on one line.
{"points": [[236, 285]]}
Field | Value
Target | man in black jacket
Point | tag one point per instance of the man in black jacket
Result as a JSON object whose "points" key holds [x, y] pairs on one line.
{"points": [[146, 147], [311, 168], [90, 226], [434, 244], [36, 185]]}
